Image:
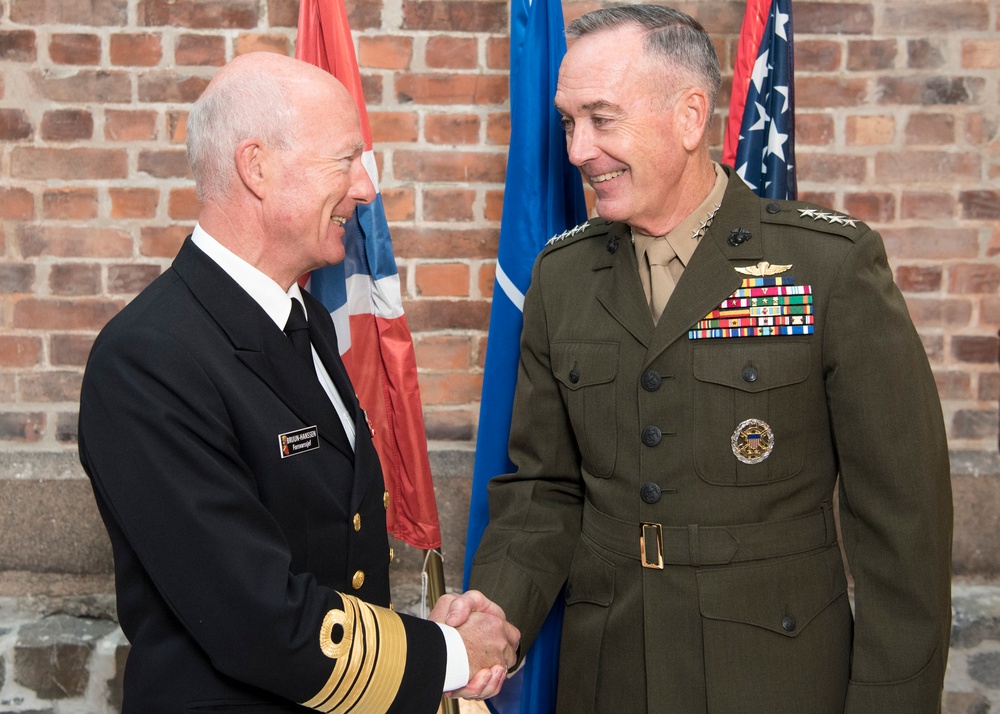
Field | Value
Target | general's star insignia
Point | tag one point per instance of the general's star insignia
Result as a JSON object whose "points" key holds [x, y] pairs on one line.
{"points": [[763, 269], [833, 218]]}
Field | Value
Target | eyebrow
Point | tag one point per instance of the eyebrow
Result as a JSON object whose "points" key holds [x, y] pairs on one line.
{"points": [[595, 105]]}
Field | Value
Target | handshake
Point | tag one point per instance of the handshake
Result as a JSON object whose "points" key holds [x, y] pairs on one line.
{"points": [[490, 641]]}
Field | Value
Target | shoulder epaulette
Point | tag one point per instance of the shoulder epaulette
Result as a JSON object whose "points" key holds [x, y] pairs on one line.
{"points": [[807, 215], [569, 233]]}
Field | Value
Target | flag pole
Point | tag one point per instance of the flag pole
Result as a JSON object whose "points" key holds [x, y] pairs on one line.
{"points": [[435, 589]]}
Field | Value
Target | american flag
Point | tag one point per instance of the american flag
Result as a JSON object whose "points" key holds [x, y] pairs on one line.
{"points": [[760, 135]]}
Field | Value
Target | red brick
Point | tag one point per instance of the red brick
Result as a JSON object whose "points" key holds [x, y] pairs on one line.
{"points": [[871, 55], [157, 242], [371, 87], [452, 88], [95, 13], [989, 310], [870, 130], [442, 279], [813, 129], [923, 243], [870, 206], [48, 387], [463, 166], [66, 427], [494, 205], [75, 279], [70, 203], [982, 130], [22, 426], [16, 204], [18, 46], [449, 424], [35, 314], [817, 55], [840, 18], [452, 52], [498, 129], [974, 424], [443, 352], [159, 87], [393, 126], [469, 15], [170, 163], [450, 388], [953, 385], [15, 125], [935, 312], [832, 167], [723, 17], [918, 278], [447, 314], [989, 387], [70, 350], [278, 44], [930, 90], [177, 126], [136, 50], [16, 351], [129, 125], [399, 204], [130, 279], [974, 348], [134, 202], [498, 53], [232, 14], [452, 128], [74, 242], [31, 162], [934, 18], [973, 278], [16, 277], [925, 53], [444, 243], [183, 204], [364, 14], [926, 166], [67, 125], [481, 353], [487, 279], [385, 52], [980, 205], [980, 53], [449, 205], [83, 86], [932, 129], [200, 50], [825, 92], [75, 49], [284, 13], [926, 205]]}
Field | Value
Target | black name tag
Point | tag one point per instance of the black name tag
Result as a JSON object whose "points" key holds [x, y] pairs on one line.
{"points": [[296, 442]]}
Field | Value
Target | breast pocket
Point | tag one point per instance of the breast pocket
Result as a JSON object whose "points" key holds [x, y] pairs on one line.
{"points": [[587, 371], [748, 405]]}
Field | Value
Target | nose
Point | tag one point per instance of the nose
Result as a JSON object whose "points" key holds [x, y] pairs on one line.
{"points": [[362, 189], [580, 146]]}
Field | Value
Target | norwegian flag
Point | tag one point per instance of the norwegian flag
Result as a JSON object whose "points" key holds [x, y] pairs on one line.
{"points": [[760, 134], [363, 296]]}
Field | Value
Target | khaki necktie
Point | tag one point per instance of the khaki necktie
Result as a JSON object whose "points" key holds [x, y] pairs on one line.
{"points": [[661, 280]]}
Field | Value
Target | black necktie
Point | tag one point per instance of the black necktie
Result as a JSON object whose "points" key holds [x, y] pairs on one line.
{"points": [[297, 330]]}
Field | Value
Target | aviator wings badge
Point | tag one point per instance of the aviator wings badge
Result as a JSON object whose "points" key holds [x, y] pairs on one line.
{"points": [[763, 269]]}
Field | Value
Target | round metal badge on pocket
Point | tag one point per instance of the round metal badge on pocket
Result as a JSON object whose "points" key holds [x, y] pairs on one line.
{"points": [[752, 441]]}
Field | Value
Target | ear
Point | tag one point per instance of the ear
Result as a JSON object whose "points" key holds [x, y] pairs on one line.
{"points": [[692, 112], [250, 165]]}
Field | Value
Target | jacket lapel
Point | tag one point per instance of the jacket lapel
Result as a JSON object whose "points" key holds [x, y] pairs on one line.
{"points": [[260, 345], [618, 288]]}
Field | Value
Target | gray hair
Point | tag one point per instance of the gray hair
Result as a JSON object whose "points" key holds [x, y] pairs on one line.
{"points": [[237, 106], [670, 33]]}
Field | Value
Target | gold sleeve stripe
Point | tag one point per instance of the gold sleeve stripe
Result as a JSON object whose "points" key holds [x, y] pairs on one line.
{"points": [[370, 658]]}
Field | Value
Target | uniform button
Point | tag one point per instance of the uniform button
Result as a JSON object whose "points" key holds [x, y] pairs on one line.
{"points": [[358, 580], [357, 522], [385, 499], [574, 376], [749, 374], [650, 492], [651, 436], [772, 208], [788, 624], [651, 380]]}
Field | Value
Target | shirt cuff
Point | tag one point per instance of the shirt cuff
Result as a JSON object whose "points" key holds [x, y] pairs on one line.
{"points": [[456, 675]]}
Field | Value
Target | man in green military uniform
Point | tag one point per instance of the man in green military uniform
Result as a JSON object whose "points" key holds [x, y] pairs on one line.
{"points": [[698, 367]]}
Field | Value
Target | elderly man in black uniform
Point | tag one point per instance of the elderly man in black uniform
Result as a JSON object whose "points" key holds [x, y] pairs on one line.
{"points": [[698, 366], [232, 464]]}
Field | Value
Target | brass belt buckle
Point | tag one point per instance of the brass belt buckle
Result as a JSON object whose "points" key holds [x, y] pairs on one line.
{"points": [[651, 532]]}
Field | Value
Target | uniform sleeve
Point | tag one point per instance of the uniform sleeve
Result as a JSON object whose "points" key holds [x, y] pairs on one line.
{"points": [[895, 489], [158, 443], [535, 514]]}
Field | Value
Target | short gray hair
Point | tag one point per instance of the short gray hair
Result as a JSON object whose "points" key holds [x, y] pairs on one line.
{"points": [[670, 33], [236, 107]]}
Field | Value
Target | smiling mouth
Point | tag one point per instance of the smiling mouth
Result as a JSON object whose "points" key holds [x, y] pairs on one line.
{"points": [[606, 177], [339, 220]]}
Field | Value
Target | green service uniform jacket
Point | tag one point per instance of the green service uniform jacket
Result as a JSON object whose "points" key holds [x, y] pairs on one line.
{"points": [[681, 489]]}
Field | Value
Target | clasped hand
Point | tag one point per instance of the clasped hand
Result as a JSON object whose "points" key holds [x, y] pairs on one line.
{"points": [[491, 641]]}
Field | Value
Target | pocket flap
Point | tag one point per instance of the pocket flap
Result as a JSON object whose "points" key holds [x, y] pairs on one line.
{"points": [[582, 364], [751, 366], [783, 597], [591, 578]]}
